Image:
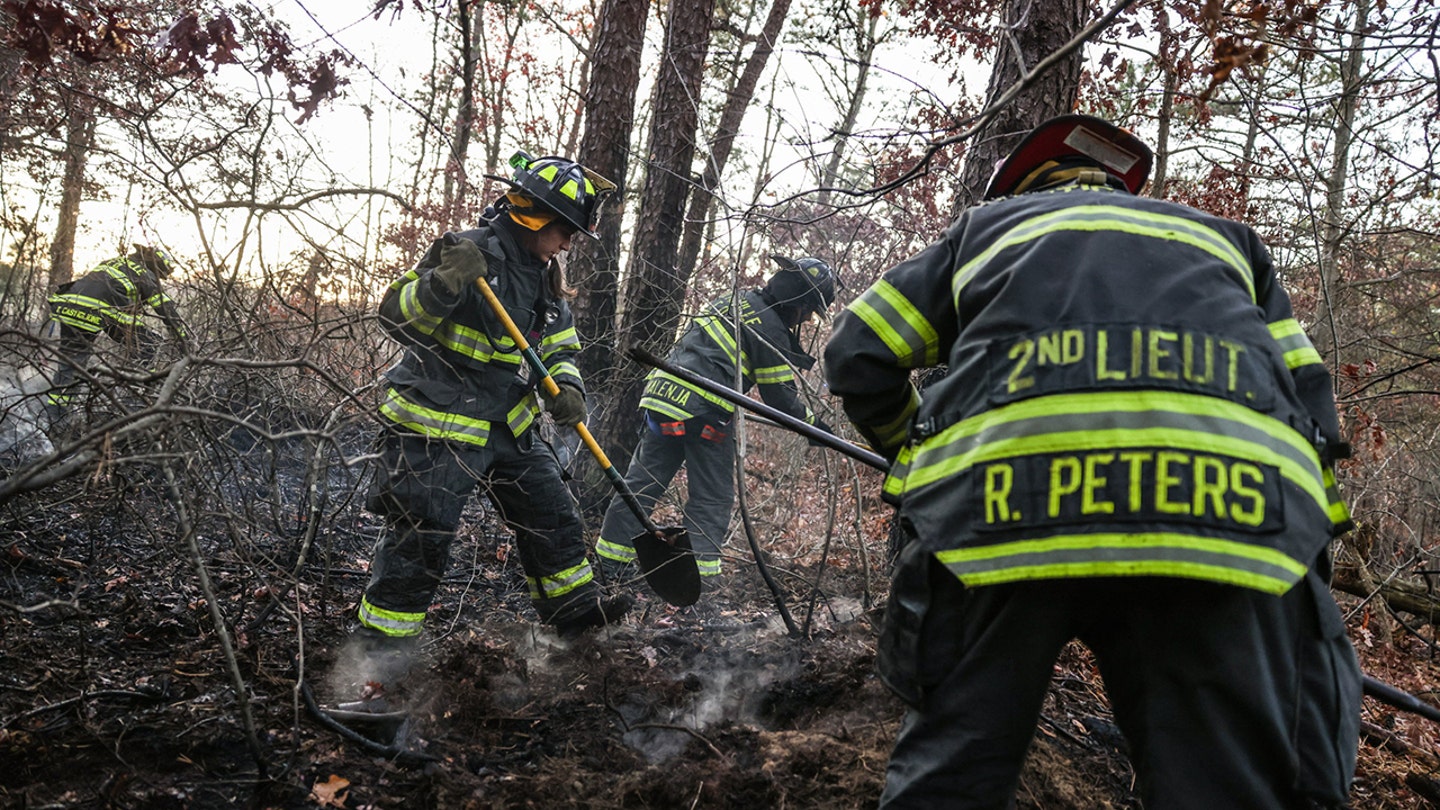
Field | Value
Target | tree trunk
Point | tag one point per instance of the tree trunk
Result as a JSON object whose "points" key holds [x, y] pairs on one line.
{"points": [[471, 30], [655, 285], [1333, 228], [864, 55], [736, 103], [1030, 32], [80, 136], [593, 266]]}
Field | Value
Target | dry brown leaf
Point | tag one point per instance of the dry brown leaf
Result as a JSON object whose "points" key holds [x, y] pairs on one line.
{"points": [[330, 793]]}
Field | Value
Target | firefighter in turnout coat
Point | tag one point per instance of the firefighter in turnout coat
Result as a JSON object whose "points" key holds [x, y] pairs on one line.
{"points": [[461, 408], [1133, 448], [112, 299], [685, 425]]}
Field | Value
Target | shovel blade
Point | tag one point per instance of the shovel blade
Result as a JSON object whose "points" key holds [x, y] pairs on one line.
{"points": [[669, 565]]}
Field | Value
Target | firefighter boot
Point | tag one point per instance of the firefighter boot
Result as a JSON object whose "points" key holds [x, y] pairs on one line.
{"points": [[599, 611], [380, 659]]}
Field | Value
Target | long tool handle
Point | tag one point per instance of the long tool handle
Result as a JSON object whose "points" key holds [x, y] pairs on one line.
{"points": [[553, 389], [777, 416]]}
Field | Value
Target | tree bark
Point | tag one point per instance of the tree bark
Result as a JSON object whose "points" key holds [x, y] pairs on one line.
{"points": [[80, 137], [736, 103], [655, 285], [593, 266], [1030, 31]]}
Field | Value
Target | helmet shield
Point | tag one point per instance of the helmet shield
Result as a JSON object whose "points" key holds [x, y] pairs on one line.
{"points": [[1074, 137], [561, 186]]}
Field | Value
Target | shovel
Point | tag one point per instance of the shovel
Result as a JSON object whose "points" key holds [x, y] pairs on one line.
{"points": [[664, 555]]}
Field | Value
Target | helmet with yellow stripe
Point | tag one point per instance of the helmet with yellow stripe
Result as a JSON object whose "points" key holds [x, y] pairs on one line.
{"points": [[544, 188]]}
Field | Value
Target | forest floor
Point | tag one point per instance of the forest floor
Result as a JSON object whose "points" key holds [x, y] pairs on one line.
{"points": [[116, 690]]}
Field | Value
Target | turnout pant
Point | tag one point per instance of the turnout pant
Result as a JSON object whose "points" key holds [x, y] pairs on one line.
{"points": [[422, 487], [706, 449], [1227, 697]]}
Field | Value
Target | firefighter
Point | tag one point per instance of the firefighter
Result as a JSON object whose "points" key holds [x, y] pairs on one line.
{"points": [[685, 425], [1132, 447], [112, 299], [461, 409]]}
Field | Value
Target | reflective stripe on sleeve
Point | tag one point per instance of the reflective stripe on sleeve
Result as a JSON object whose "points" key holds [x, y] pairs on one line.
{"points": [[899, 325], [1296, 345]]}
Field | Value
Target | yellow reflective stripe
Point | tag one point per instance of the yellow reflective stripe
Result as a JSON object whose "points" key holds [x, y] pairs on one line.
{"points": [[559, 584], [118, 273], [726, 406], [769, 375], [895, 431], [899, 469], [411, 310], [564, 340], [614, 551], [1296, 345], [715, 328], [523, 414], [1126, 554], [651, 403], [390, 622], [708, 567], [564, 369], [431, 422], [887, 311], [1099, 420], [1338, 512], [1095, 218]]}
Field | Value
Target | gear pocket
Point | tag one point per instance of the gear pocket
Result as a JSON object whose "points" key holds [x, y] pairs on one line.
{"points": [[1327, 728], [920, 636]]}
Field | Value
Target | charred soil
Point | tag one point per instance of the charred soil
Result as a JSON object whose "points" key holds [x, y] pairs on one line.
{"points": [[117, 690]]}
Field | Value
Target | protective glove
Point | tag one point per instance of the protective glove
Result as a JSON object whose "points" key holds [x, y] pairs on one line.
{"points": [[461, 262], [567, 408]]}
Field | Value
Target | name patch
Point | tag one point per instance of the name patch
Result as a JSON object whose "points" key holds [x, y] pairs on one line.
{"points": [[1128, 356], [1135, 484]]}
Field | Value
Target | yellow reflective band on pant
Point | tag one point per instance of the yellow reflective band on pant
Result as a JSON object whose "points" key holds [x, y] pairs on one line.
{"points": [[909, 336], [391, 622], [1118, 421], [564, 582], [1296, 345], [614, 551], [709, 567], [1129, 554], [1115, 219], [430, 422]]}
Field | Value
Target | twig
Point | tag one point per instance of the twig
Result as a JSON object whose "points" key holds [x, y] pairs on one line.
{"points": [[403, 756], [50, 707]]}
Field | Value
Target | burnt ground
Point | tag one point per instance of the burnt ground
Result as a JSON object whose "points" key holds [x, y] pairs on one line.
{"points": [[116, 689]]}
